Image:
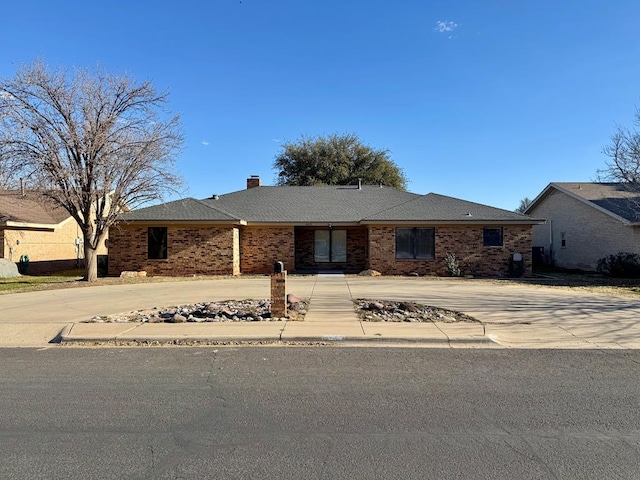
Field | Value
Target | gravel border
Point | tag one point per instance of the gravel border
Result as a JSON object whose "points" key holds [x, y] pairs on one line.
{"points": [[225, 311], [390, 311]]}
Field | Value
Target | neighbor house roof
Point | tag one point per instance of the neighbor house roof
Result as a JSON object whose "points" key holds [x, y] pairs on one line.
{"points": [[32, 207], [326, 204], [618, 200]]}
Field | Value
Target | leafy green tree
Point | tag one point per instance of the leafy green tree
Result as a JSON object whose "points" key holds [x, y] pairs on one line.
{"points": [[524, 204], [93, 142], [336, 160]]}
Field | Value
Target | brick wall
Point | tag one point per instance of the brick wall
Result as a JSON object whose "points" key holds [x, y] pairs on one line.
{"points": [[589, 234], [356, 250], [190, 251], [261, 247], [466, 242], [253, 250]]}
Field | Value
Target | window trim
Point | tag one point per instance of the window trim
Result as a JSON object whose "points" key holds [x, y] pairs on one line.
{"points": [[484, 237], [413, 244]]}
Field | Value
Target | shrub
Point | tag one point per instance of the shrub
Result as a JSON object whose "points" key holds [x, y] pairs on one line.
{"points": [[451, 262], [622, 264]]}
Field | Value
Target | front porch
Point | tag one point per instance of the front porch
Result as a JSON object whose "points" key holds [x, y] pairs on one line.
{"points": [[331, 248]]}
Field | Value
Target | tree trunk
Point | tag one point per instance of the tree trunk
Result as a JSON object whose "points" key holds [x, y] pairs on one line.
{"points": [[90, 263]]}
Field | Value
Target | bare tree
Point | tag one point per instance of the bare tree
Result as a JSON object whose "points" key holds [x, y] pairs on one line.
{"points": [[624, 156], [94, 142]]}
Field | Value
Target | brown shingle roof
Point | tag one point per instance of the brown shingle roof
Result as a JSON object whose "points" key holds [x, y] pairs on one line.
{"points": [[619, 199], [327, 204], [33, 207]]}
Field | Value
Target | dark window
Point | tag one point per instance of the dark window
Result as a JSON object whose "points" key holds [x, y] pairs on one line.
{"points": [[157, 243], [492, 237], [415, 243], [563, 240], [330, 246]]}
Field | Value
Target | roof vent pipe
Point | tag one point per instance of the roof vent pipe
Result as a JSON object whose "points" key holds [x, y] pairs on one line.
{"points": [[359, 184], [22, 186]]}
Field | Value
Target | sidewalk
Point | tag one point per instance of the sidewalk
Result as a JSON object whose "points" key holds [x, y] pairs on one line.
{"points": [[511, 316]]}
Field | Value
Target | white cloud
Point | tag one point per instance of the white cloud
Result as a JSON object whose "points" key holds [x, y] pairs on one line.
{"points": [[443, 26], [204, 142]]}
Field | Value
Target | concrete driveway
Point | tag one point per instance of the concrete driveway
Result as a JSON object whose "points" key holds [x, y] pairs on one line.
{"points": [[515, 315], [608, 321]]}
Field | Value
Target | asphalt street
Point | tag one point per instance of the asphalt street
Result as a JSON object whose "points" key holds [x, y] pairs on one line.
{"points": [[324, 412]]}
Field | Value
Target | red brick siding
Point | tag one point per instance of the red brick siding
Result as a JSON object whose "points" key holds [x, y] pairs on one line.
{"points": [[261, 247], [356, 250], [466, 242], [190, 251]]}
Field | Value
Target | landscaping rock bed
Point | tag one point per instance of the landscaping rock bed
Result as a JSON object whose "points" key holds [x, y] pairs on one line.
{"points": [[259, 311], [389, 311], [227, 311]]}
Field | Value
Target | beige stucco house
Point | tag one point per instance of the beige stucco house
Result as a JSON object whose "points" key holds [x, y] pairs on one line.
{"points": [[310, 229], [31, 224], [585, 222]]}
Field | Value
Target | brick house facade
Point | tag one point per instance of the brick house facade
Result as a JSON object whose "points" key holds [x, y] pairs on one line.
{"points": [[314, 229], [465, 242]]}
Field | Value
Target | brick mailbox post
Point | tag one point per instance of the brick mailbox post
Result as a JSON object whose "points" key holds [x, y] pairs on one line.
{"points": [[278, 291]]}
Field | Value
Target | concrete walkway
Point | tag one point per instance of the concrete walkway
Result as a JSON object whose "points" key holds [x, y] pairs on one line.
{"points": [[520, 316]]}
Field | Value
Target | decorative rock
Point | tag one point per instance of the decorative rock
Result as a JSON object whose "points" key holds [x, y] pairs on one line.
{"points": [[227, 311], [8, 269], [375, 306], [177, 318], [369, 273], [291, 298], [133, 274], [389, 311], [407, 307]]}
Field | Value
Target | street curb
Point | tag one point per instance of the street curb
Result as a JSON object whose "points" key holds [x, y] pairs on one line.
{"points": [[328, 339], [426, 340], [62, 333]]}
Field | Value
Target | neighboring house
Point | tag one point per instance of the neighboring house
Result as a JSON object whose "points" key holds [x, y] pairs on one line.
{"points": [[585, 222], [310, 229], [30, 224]]}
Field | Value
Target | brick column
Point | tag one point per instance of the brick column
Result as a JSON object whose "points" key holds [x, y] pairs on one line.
{"points": [[279, 295]]}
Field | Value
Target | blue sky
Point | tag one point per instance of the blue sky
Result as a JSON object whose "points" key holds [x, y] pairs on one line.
{"points": [[488, 101]]}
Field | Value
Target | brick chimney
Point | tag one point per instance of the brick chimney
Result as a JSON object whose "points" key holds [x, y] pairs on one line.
{"points": [[254, 181]]}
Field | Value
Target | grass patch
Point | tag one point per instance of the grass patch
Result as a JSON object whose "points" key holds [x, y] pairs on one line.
{"points": [[73, 279], [27, 283]]}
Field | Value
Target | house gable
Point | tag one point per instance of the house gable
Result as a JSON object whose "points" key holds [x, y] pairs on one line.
{"points": [[579, 231], [613, 199]]}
